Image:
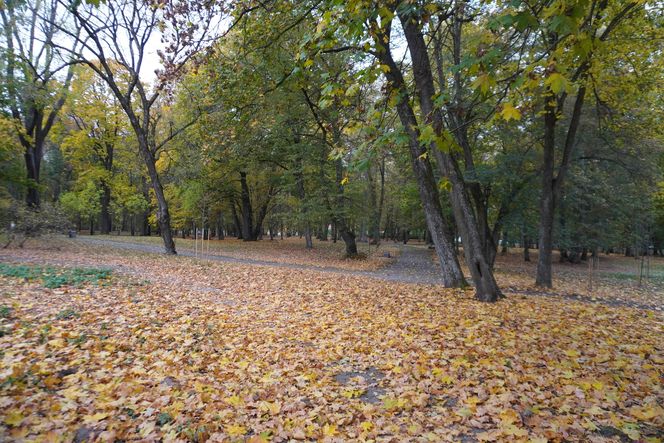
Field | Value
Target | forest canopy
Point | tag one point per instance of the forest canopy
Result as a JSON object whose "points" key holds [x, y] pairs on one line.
{"points": [[469, 124]]}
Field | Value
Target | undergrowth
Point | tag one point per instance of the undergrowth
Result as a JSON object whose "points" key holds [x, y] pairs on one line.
{"points": [[56, 277]]}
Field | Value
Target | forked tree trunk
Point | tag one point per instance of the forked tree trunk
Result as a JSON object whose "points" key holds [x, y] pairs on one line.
{"points": [[428, 190], [482, 274]]}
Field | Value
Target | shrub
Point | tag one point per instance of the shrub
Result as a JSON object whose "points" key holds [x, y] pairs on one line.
{"points": [[20, 223]]}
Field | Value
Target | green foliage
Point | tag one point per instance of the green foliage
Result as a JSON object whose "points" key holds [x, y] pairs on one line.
{"points": [[67, 314], [164, 418], [56, 277], [85, 202], [5, 311]]}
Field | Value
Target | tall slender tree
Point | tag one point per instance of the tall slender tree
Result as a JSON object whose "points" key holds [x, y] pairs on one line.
{"points": [[118, 33], [37, 75]]}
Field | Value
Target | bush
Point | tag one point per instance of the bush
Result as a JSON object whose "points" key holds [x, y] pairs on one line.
{"points": [[20, 223]]}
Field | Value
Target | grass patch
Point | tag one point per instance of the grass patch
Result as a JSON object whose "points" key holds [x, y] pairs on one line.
{"points": [[629, 276], [54, 277]]}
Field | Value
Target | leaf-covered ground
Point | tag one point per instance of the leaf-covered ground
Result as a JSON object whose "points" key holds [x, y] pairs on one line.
{"points": [[289, 250], [614, 281], [175, 349]]}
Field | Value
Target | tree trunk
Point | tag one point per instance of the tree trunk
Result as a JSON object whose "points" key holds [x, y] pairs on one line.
{"points": [[247, 210], [525, 243], [163, 215], [349, 240], [236, 221], [485, 284], [547, 203], [428, 190], [460, 118], [32, 162], [145, 222], [322, 234], [105, 216], [258, 229], [299, 182]]}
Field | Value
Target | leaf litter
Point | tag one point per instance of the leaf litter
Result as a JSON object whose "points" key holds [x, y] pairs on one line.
{"points": [[267, 354]]}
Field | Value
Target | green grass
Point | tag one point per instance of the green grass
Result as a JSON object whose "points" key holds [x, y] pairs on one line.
{"points": [[657, 278], [56, 277]]}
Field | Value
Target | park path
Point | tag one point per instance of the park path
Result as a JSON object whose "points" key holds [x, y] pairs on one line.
{"points": [[413, 265]]}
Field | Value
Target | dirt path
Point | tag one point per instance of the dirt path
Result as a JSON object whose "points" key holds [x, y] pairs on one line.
{"points": [[414, 265]]}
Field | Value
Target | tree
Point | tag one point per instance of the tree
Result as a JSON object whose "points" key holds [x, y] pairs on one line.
{"points": [[98, 130], [368, 28], [34, 89], [184, 27], [568, 43]]}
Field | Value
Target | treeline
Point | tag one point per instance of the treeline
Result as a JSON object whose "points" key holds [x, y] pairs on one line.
{"points": [[469, 124]]}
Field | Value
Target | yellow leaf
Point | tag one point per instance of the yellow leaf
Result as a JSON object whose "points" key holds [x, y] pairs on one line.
{"points": [[572, 353], [590, 425], [146, 428], [464, 412], [472, 401], [509, 416], [446, 379], [72, 393], [344, 181], [329, 430], [243, 364], [632, 433], [514, 430], [52, 381], [509, 112], [273, 408], [99, 416], [391, 403], [366, 426], [56, 343], [484, 83], [234, 400], [646, 412], [595, 410], [235, 430], [14, 417], [352, 393], [556, 82]]}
